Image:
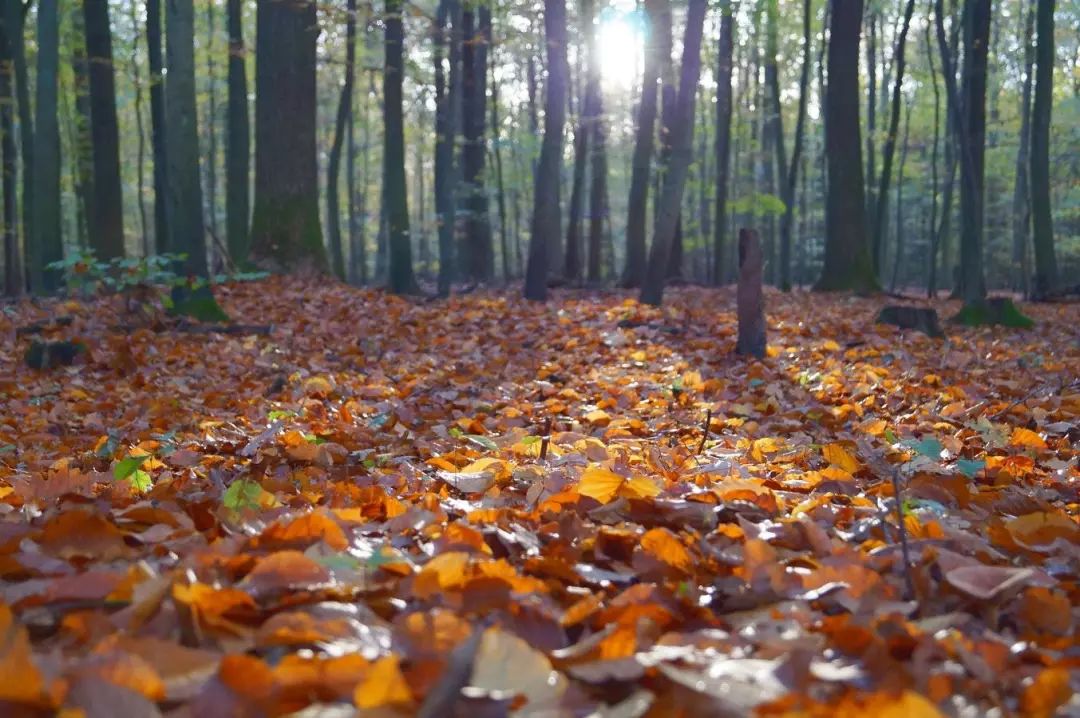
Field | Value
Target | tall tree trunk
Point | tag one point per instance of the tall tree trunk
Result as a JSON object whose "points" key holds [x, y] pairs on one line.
{"points": [[211, 123], [935, 238], [401, 278], [881, 206], [598, 199], [107, 230], [13, 269], [847, 254], [237, 140], [791, 175], [681, 149], [871, 111], [899, 258], [478, 247], [777, 182], [358, 261], [576, 209], [723, 142], [82, 145], [157, 123], [641, 164], [547, 217], [14, 26], [46, 245], [668, 100], [1042, 223], [285, 231], [446, 129], [1021, 204], [185, 209], [333, 166], [140, 162], [496, 152]]}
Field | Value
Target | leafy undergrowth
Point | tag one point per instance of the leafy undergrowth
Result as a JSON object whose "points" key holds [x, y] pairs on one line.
{"points": [[361, 513]]}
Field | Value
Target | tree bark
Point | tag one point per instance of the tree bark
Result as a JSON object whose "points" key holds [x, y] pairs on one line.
{"points": [[157, 123], [13, 270], [576, 209], [641, 164], [1042, 223], [140, 163], [185, 208], [598, 198], [682, 133], [14, 26], [547, 218], [82, 145], [211, 124], [500, 186], [847, 254], [935, 238], [46, 244], [478, 254], [285, 231], [898, 259], [237, 140], [881, 206], [401, 279], [723, 142], [749, 296], [107, 230], [1021, 204], [446, 129], [333, 165]]}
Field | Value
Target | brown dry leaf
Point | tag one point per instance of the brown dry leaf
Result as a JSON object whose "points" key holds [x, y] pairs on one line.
{"points": [[20, 679]]}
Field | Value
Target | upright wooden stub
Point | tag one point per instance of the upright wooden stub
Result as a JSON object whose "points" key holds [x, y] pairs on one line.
{"points": [[750, 297]]}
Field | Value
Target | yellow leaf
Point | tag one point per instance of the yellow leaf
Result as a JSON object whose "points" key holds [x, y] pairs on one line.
{"points": [[1026, 437], [600, 483], [666, 547], [768, 445], [384, 685], [639, 488], [599, 417], [838, 456]]}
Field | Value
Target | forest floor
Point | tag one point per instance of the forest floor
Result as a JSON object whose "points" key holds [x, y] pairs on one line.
{"points": [[362, 508]]}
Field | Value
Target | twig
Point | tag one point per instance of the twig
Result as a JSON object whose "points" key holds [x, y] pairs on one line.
{"points": [[705, 433], [902, 529], [546, 440]]}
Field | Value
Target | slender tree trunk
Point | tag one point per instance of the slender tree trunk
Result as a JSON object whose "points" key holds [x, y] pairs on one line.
{"points": [[547, 218], [14, 26], [237, 140], [333, 166], [791, 175], [641, 164], [949, 49], [401, 278], [140, 162], [848, 265], [82, 145], [107, 231], [211, 124], [723, 142], [13, 270], [576, 209], [681, 149], [185, 209], [881, 205], [496, 151], [157, 123], [46, 245], [446, 128], [285, 231], [899, 258], [1045, 259], [935, 238], [1021, 205], [358, 260], [598, 198], [668, 100], [871, 113]]}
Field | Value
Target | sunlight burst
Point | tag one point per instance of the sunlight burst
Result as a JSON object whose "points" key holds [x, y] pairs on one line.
{"points": [[620, 42]]}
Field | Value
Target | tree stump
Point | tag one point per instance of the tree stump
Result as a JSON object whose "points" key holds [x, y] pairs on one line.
{"points": [[751, 301], [920, 319]]}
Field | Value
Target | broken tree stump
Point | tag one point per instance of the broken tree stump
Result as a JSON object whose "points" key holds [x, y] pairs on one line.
{"points": [[751, 299], [922, 319]]}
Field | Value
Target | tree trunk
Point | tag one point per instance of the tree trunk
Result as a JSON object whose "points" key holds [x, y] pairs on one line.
{"points": [[935, 238], [1021, 204], [547, 217], [446, 128], [682, 133], [881, 206], [723, 142], [792, 172], [107, 230], [598, 154], [185, 209], [13, 270], [140, 163], [157, 123], [285, 232], [333, 166], [211, 123], [577, 194], [847, 254], [82, 146], [46, 245], [14, 26], [641, 164], [358, 261], [749, 296], [237, 141], [400, 275], [496, 151], [871, 114], [1043, 235], [478, 247], [898, 259]]}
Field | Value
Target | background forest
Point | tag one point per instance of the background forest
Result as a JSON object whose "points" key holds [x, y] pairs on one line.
{"points": [[486, 66]]}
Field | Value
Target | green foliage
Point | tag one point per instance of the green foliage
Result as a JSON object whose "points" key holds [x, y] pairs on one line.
{"points": [[760, 204], [242, 494], [998, 311]]}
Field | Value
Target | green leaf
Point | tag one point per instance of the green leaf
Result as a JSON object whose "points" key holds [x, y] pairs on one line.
{"points": [[128, 466], [482, 441], [930, 447], [7, 448], [970, 467], [141, 481], [279, 414], [456, 432], [242, 494], [890, 436], [530, 440]]}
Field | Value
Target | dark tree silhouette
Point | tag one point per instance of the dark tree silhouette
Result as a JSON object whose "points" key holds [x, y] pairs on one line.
{"points": [[237, 140], [107, 229]]}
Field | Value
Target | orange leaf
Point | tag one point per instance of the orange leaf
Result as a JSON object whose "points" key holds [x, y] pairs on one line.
{"points": [[384, 685], [838, 456], [600, 483], [666, 547], [1049, 691], [1026, 437], [20, 680]]}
